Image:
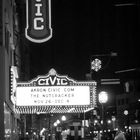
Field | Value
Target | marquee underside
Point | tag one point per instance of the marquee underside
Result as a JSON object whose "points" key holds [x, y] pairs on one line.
{"points": [[51, 109]]}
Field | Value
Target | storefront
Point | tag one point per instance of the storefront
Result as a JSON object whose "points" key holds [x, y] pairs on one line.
{"points": [[12, 124]]}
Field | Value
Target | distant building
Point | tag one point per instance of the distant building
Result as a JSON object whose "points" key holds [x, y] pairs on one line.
{"points": [[128, 103], [123, 88]]}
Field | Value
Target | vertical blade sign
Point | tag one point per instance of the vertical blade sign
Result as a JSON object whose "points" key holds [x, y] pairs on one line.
{"points": [[38, 20]]}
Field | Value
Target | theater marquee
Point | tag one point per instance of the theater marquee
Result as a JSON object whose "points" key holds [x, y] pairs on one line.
{"points": [[55, 93]]}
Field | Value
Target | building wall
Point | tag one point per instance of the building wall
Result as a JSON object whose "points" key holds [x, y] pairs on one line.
{"points": [[122, 105], [128, 100], [2, 92], [2, 74], [9, 121]]}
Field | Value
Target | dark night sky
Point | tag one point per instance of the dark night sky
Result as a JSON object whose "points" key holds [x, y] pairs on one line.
{"points": [[84, 28]]}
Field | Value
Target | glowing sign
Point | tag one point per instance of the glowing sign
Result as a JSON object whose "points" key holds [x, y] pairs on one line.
{"points": [[38, 20], [53, 95], [13, 83], [53, 92]]}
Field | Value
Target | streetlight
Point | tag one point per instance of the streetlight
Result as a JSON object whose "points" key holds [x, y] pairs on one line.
{"points": [[55, 124], [63, 118], [58, 122], [103, 98]]}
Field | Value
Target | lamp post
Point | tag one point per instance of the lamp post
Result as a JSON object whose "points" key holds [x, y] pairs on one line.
{"points": [[63, 135], [114, 122], [103, 98], [63, 118]]}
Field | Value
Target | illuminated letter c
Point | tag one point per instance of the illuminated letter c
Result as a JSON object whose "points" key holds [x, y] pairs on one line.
{"points": [[41, 81], [36, 20]]}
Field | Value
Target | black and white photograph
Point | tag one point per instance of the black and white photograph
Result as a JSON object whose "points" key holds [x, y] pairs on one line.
{"points": [[70, 70]]}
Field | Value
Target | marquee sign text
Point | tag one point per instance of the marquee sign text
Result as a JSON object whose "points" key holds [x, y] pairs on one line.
{"points": [[62, 95]]}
